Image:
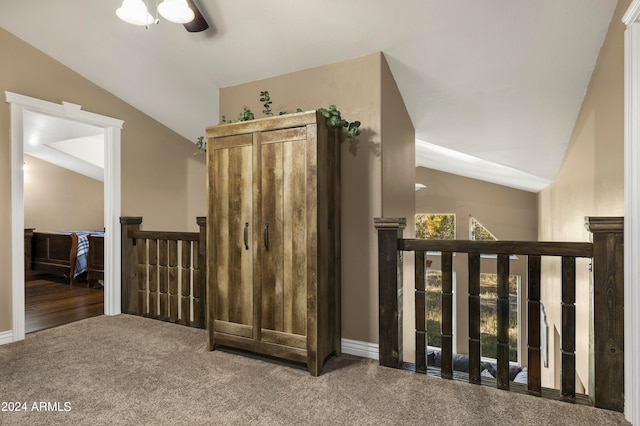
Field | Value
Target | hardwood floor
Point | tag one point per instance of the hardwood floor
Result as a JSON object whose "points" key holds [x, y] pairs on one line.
{"points": [[50, 302]]}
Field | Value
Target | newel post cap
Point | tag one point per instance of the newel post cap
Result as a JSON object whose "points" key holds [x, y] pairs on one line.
{"points": [[604, 224], [390, 222]]}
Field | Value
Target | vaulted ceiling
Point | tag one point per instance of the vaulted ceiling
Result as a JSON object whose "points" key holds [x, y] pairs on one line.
{"points": [[493, 86]]}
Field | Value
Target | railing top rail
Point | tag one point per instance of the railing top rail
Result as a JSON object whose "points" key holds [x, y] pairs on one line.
{"points": [[524, 248], [164, 235]]}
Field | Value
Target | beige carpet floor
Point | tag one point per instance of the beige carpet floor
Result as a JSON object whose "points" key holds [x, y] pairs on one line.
{"points": [[126, 370]]}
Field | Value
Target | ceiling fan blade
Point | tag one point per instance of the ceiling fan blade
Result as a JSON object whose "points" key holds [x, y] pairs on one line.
{"points": [[199, 23]]}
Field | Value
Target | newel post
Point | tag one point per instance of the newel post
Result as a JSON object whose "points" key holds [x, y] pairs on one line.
{"points": [[129, 266], [390, 290], [608, 311]]}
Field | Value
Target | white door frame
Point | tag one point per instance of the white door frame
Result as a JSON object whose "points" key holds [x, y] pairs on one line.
{"points": [[112, 128], [632, 213]]}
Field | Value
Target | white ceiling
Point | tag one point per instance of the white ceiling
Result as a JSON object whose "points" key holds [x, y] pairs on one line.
{"points": [[498, 80], [66, 143]]}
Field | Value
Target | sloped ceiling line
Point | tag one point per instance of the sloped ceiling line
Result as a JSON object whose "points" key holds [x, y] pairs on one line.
{"points": [[499, 80]]}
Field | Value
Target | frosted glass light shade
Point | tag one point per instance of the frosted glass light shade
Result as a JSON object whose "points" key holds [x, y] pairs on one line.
{"points": [[134, 12], [177, 11]]}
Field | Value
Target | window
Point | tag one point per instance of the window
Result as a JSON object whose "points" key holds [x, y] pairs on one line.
{"points": [[478, 232], [488, 316], [488, 299], [435, 226], [434, 308], [442, 227]]}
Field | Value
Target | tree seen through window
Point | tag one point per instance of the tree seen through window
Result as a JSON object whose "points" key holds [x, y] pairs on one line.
{"points": [[436, 226], [479, 232]]}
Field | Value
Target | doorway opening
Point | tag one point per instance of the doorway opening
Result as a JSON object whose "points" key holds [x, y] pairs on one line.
{"points": [[63, 194]]}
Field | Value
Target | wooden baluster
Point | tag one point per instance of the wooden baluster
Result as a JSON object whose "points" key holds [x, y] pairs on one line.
{"points": [[200, 282], [198, 289], [503, 322], [446, 360], [163, 275], [420, 295], [173, 280], [153, 278], [185, 293], [568, 328], [474, 318], [130, 292], [534, 374], [143, 276]]}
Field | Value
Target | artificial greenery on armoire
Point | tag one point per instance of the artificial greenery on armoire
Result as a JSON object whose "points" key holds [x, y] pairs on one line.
{"points": [[332, 114]]}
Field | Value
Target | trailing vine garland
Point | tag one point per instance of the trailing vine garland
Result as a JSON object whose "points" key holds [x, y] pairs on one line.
{"points": [[332, 114]]}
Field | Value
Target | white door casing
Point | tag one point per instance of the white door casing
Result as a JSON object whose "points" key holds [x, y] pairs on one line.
{"points": [[112, 128], [632, 213]]}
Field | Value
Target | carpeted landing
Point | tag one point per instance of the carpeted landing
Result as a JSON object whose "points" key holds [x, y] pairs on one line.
{"points": [[127, 370]]}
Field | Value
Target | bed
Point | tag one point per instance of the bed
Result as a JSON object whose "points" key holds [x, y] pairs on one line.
{"points": [[66, 253], [95, 259]]}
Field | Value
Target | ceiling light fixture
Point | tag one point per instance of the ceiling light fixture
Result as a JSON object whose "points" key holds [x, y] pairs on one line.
{"points": [[136, 12], [177, 11]]}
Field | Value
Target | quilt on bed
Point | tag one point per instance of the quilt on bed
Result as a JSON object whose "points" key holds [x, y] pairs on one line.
{"points": [[83, 250]]}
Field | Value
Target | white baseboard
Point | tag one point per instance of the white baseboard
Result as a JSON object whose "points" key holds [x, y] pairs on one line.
{"points": [[351, 347], [6, 337], [362, 349]]}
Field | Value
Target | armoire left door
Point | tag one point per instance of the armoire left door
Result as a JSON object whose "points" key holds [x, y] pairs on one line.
{"points": [[232, 210]]}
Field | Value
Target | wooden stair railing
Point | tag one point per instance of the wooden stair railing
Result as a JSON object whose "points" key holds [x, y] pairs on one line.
{"points": [[606, 252], [162, 273]]}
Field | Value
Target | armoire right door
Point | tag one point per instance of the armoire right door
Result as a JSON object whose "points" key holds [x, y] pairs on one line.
{"points": [[285, 249]]}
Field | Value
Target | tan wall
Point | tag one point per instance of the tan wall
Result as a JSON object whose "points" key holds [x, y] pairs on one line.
{"points": [[57, 199], [510, 214], [161, 179], [398, 148], [398, 187], [589, 183], [358, 88]]}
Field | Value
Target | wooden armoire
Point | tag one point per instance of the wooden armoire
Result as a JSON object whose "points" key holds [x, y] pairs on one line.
{"points": [[273, 237]]}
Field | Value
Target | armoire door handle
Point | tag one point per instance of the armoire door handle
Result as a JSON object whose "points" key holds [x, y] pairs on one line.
{"points": [[265, 236], [246, 235]]}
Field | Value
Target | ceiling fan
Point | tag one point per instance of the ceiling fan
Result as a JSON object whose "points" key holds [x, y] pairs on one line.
{"points": [[179, 11], [199, 23]]}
